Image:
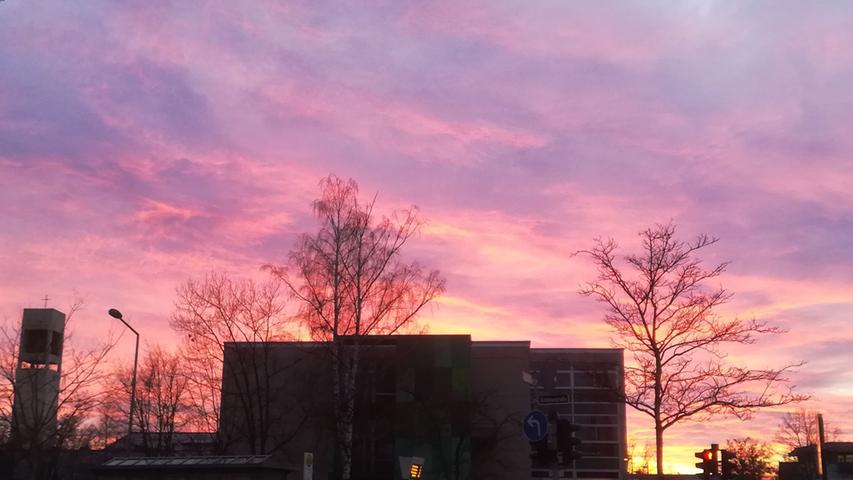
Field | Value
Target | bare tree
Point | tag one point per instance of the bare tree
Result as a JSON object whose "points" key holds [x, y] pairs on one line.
{"points": [[664, 314], [753, 459], [162, 405], [214, 316], [110, 422], [351, 282], [799, 429], [638, 463]]}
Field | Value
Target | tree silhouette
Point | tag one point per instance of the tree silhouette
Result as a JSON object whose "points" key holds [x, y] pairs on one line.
{"points": [[663, 313], [350, 282], [753, 459], [214, 316], [799, 428], [162, 404]]}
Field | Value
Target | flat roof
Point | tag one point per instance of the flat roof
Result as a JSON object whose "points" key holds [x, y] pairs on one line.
{"points": [[195, 462], [388, 340], [500, 343], [577, 350]]}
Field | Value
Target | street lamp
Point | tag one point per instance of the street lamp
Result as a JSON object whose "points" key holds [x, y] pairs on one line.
{"points": [[116, 314]]}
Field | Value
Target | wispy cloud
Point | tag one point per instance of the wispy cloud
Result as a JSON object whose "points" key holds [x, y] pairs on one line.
{"points": [[142, 144]]}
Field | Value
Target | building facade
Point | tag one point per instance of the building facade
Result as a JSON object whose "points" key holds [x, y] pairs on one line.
{"points": [[455, 403], [583, 386], [837, 462]]}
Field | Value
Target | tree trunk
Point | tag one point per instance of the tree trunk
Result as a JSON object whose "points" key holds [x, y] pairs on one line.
{"points": [[336, 401], [344, 374], [659, 447], [349, 410], [347, 437]]}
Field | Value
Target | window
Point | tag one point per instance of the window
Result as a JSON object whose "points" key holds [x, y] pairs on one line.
{"points": [[599, 449], [35, 341], [56, 344], [597, 434], [595, 396], [598, 474], [597, 463], [595, 420], [605, 408]]}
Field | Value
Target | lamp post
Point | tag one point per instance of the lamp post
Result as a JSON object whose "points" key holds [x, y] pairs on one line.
{"points": [[116, 314]]}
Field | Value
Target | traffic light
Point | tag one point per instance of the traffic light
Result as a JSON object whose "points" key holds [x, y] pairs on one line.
{"points": [[544, 455], [566, 442], [708, 463], [728, 467]]}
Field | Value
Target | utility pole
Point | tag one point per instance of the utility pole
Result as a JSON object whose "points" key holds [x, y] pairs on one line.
{"points": [[821, 467]]}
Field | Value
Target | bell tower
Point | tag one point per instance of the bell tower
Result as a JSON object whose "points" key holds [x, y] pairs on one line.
{"points": [[37, 376]]}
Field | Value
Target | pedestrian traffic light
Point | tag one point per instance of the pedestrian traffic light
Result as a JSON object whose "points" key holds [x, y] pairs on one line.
{"points": [[566, 442], [708, 463], [728, 466], [411, 468]]}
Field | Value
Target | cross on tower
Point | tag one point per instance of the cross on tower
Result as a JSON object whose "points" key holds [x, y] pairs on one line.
{"points": [[45, 300]]}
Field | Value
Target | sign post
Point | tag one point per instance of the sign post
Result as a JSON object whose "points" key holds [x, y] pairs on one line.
{"points": [[308, 466]]}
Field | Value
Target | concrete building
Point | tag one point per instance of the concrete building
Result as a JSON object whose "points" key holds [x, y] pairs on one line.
{"points": [[837, 461], [37, 377], [455, 403]]}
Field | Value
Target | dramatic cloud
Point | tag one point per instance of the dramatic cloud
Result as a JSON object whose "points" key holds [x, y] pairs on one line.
{"points": [[142, 144]]}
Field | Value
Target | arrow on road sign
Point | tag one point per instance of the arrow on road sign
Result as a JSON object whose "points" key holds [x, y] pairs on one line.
{"points": [[535, 425]]}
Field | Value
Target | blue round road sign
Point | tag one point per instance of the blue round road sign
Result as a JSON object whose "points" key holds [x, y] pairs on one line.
{"points": [[535, 425]]}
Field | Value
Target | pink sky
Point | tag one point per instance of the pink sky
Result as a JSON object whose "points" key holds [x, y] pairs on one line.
{"points": [[142, 144]]}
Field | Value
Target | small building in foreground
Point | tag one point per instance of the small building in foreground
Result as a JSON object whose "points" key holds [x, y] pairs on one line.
{"points": [[241, 467], [837, 458]]}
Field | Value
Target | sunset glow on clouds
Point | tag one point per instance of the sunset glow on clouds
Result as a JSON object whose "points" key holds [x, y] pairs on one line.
{"points": [[143, 143]]}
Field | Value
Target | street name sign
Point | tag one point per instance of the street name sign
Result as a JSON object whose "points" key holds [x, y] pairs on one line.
{"points": [[552, 399]]}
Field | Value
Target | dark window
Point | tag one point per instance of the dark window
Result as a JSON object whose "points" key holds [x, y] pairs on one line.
{"points": [[598, 474], [597, 463], [35, 341], [56, 344], [595, 420], [595, 396], [564, 409], [594, 379], [599, 450], [423, 383], [385, 380], [597, 433], [595, 409], [562, 380]]}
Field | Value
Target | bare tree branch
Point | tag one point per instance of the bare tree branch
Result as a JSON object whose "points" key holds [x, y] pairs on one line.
{"points": [[351, 283], [663, 312]]}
